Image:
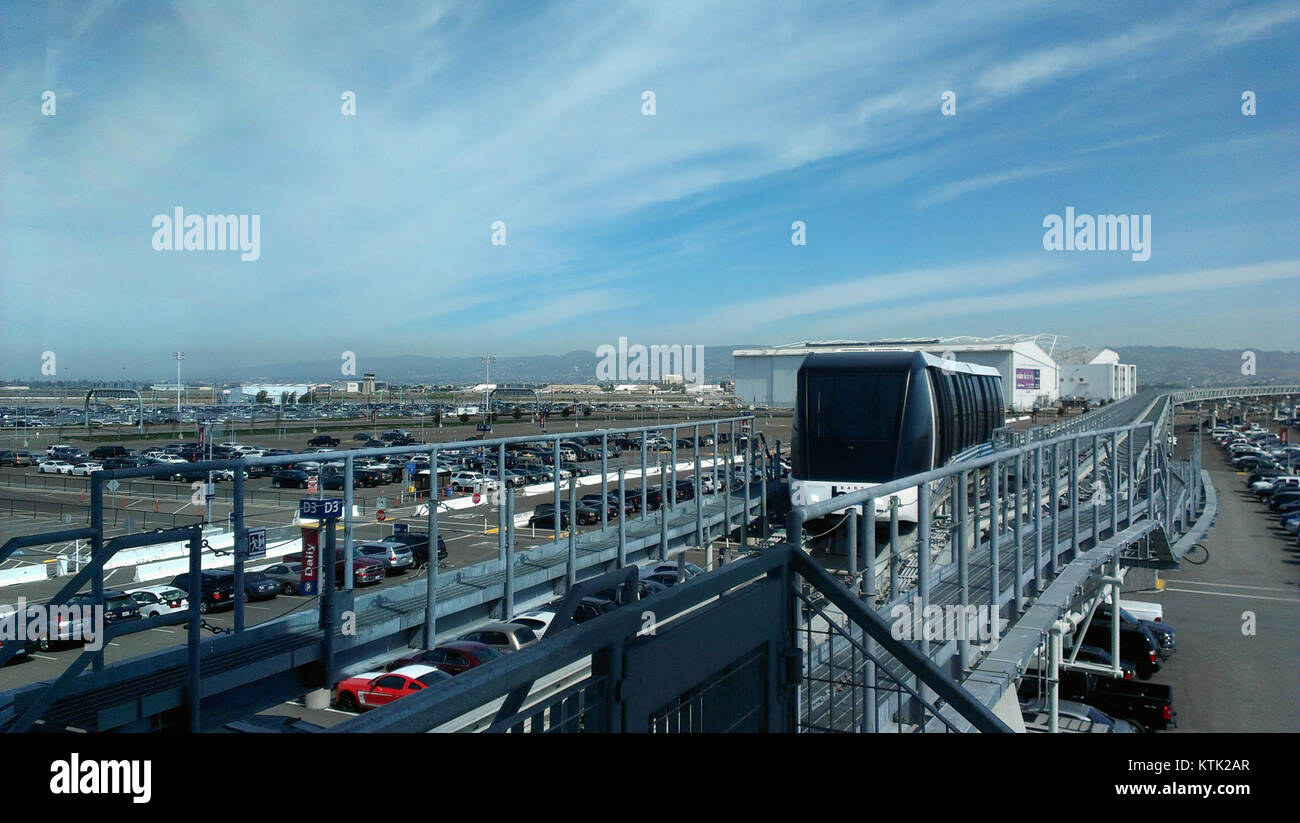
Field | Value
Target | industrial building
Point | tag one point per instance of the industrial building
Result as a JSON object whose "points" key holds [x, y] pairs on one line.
{"points": [[766, 377], [1095, 375]]}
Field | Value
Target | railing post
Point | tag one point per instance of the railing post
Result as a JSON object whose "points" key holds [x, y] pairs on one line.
{"points": [[1074, 497], [763, 503], [995, 529], [1130, 438], [622, 519], [604, 485], [1114, 483], [500, 499], [645, 505], [744, 520], [963, 572], [1039, 582], [1018, 567], [923, 557], [853, 547], [1096, 484], [195, 595], [699, 489], [868, 525], [431, 574], [894, 555], [508, 611], [571, 572], [241, 547], [663, 510], [349, 497], [97, 553]]}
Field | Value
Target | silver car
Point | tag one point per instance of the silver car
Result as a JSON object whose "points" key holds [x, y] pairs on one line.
{"points": [[396, 557]]}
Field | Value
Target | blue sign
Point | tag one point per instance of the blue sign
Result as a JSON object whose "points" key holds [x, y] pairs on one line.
{"points": [[312, 509], [484, 427], [410, 467], [399, 528]]}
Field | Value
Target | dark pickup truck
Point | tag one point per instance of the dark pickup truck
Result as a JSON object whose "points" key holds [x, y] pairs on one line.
{"points": [[1149, 705]]}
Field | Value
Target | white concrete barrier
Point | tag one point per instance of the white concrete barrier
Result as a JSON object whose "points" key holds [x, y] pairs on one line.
{"points": [[22, 574], [171, 568]]}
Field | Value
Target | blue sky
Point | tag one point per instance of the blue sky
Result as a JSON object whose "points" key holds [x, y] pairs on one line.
{"points": [[671, 228]]}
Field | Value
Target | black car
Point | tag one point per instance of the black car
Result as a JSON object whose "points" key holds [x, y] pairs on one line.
{"points": [[593, 607], [323, 440], [418, 542], [119, 606], [1136, 644], [258, 586], [544, 517], [289, 478], [217, 589], [585, 514], [105, 452]]}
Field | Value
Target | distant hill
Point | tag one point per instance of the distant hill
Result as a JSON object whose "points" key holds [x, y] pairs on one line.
{"points": [[1178, 366], [572, 367]]}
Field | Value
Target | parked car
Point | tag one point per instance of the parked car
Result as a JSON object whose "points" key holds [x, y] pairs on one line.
{"points": [[539, 620], [396, 557], [259, 585], [119, 606], [155, 600], [289, 478], [373, 689], [323, 440], [1136, 643], [453, 658], [85, 469], [287, 576], [418, 543], [505, 637], [55, 467], [217, 590], [1074, 718], [364, 569]]}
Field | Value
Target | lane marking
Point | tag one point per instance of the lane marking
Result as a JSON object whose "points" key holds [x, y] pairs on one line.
{"points": [[1232, 585], [44, 657], [1242, 596]]}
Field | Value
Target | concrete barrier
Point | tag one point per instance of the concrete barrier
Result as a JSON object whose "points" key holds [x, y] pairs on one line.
{"points": [[22, 574], [170, 568]]}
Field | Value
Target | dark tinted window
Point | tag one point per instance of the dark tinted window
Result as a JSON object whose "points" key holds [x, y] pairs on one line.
{"points": [[391, 681], [852, 423]]}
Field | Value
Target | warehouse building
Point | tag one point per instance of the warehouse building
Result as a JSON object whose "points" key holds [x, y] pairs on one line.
{"points": [[1095, 375], [766, 377]]}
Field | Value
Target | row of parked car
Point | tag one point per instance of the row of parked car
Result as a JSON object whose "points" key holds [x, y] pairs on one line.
{"points": [[1092, 701], [482, 645], [1275, 482]]}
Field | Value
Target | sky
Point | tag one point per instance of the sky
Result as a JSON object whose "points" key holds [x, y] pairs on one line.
{"points": [[376, 228]]}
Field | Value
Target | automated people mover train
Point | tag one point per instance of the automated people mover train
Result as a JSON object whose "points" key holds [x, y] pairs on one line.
{"points": [[864, 418]]}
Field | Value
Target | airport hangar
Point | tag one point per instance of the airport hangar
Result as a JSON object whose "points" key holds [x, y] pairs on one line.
{"points": [[766, 377]]}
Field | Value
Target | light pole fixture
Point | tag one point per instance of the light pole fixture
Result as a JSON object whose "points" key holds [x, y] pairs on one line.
{"points": [[179, 356]]}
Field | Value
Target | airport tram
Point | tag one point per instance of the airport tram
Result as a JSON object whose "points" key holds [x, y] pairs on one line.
{"points": [[864, 418]]}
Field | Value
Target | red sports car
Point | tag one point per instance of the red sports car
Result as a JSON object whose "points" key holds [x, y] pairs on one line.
{"points": [[366, 691]]}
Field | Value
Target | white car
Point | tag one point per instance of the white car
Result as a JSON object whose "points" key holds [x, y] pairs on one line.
{"points": [[84, 469], [539, 620], [471, 481], [156, 600], [55, 467]]}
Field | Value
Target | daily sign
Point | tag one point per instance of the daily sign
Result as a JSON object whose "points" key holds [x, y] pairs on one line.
{"points": [[313, 509]]}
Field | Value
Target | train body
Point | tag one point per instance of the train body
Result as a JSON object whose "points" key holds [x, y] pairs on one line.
{"points": [[865, 418]]}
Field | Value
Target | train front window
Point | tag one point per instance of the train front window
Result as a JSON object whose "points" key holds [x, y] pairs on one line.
{"points": [[853, 425]]}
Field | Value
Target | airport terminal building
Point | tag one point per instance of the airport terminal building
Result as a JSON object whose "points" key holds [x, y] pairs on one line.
{"points": [[766, 377]]}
